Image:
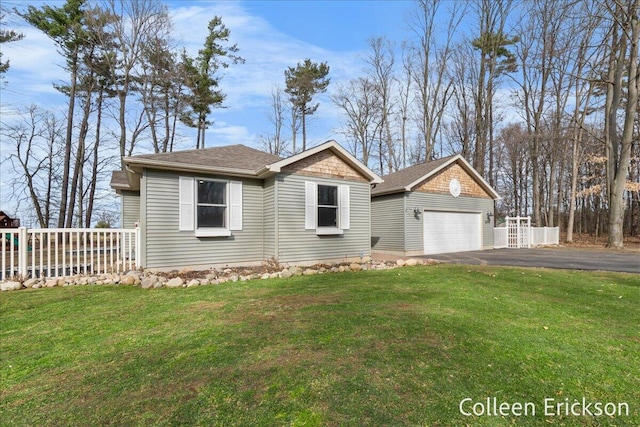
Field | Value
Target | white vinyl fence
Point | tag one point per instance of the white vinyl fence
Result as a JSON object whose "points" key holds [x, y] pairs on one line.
{"points": [[545, 236], [59, 252], [518, 233], [500, 239]]}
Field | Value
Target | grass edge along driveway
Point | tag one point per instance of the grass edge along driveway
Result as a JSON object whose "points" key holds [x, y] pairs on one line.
{"points": [[399, 347]]}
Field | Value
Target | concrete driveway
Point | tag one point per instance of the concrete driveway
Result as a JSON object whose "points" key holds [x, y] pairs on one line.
{"points": [[549, 258]]}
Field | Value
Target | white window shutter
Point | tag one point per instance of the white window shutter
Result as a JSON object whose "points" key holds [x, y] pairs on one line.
{"points": [[187, 203], [235, 205], [310, 205], [344, 207]]}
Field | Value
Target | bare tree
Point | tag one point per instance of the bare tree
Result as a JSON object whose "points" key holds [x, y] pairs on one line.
{"points": [[275, 143], [161, 86], [359, 102], [432, 52], [461, 126], [133, 25], [38, 145], [621, 111], [381, 63], [582, 88], [66, 26], [495, 61]]}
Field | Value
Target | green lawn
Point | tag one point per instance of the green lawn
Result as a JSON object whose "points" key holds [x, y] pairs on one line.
{"points": [[375, 348]]}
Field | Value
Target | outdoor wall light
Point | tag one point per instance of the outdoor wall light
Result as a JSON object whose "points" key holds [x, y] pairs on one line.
{"points": [[489, 216], [417, 211]]}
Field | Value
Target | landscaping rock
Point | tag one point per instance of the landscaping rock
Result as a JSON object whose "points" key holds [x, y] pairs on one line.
{"points": [[285, 274], [400, 263], [50, 283], [366, 259], [127, 280], [149, 282], [30, 282], [296, 271], [265, 276], [411, 262], [176, 282], [310, 272], [193, 283], [10, 286], [355, 266]]}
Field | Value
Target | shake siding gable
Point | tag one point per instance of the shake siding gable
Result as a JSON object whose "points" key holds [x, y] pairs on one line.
{"points": [[324, 164], [167, 247], [439, 183]]}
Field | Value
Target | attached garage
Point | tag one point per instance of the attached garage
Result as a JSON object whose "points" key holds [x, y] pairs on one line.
{"points": [[436, 207]]}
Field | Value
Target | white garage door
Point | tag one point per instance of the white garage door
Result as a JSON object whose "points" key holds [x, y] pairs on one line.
{"points": [[452, 232]]}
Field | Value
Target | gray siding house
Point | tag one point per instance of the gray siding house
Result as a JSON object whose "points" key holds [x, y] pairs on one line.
{"points": [[235, 205], [435, 207]]}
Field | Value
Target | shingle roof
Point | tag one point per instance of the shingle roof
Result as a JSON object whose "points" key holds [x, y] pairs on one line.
{"points": [[119, 179], [231, 156], [397, 181]]}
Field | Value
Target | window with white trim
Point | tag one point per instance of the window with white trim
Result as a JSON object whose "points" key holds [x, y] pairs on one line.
{"points": [[209, 207], [327, 208]]}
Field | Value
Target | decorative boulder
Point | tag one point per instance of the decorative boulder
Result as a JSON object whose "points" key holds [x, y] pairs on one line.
{"points": [[355, 266], [176, 282], [10, 286]]}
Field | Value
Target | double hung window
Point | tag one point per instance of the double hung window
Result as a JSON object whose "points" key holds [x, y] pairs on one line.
{"points": [[327, 208], [212, 204], [211, 208]]}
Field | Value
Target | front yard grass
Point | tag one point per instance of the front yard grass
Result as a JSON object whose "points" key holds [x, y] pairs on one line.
{"points": [[375, 348]]}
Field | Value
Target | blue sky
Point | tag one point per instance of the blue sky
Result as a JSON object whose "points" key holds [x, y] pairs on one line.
{"points": [[271, 36]]}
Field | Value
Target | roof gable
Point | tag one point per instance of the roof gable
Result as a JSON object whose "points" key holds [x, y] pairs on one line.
{"points": [[237, 160], [411, 178], [353, 163]]}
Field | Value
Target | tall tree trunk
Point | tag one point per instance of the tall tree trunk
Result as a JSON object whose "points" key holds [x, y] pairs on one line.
{"points": [[64, 185], [623, 60], [96, 158]]}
